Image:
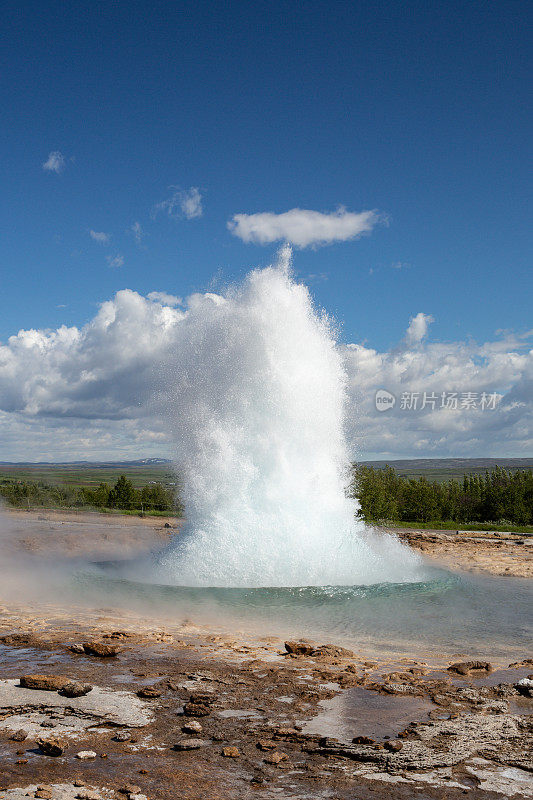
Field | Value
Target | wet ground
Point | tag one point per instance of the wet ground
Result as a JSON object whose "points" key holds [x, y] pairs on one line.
{"points": [[177, 710]]}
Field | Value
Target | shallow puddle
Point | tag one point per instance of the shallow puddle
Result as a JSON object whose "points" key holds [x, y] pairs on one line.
{"points": [[360, 712]]}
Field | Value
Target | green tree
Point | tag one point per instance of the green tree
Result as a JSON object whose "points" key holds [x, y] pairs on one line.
{"points": [[123, 494]]}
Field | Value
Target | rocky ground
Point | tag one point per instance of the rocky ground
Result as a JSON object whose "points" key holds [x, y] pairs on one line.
{"points": [[166, 714], [100, 703], [491, 552]]}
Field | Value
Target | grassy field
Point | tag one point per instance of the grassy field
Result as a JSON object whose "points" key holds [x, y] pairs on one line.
{"points": [[89, 476]]}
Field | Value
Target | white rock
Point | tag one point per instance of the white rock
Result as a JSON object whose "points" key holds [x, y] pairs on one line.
{"points": [[83, 755]]}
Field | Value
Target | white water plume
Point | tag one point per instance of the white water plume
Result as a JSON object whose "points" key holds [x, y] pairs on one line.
{"points": [[258, 422]]}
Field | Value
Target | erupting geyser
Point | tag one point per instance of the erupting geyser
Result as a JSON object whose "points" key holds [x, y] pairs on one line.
{"points": [[258, 421]]}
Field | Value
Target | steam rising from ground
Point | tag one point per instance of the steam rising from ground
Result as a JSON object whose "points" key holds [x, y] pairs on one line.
{"points": [[258, 421]]}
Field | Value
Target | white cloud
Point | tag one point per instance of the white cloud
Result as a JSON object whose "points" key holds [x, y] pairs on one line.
{"points": [[100, 237], [96, 391], [302, 227], [185, 203], [137, 232], [55, 162], [116, 261], [165, 299], [418, 328]]}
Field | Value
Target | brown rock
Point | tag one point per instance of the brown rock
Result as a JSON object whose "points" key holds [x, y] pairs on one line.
{"points": [[76, 648], [464, 667], [202, 698], [48, 683], [332, 651], [75, 689], [46, 794], [393, 746], [19, 735], [276, 758], [266, 744], [230, 752], [130, 788], [51, 747], [100, 649], [148, 693], [363, 740], [196, 710], [299, 648], [88, 794]]}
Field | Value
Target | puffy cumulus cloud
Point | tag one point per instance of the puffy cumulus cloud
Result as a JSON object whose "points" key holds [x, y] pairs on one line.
{"points": [[183, 203], [418, 328], [444, 396], [302, 227], [100, 237], [55, 162], [103, 390]]}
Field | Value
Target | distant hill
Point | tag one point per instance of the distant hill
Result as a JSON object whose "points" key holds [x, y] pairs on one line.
{"points": [[443, 469]]}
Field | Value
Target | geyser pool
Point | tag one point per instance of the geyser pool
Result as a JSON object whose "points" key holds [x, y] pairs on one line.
{"points": [[257, 414]]}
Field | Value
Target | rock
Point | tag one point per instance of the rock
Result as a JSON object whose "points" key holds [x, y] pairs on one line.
{"points": [[88, 794], [196, 710], [148, 693], [464, 667], [299, 648], [202, 698], [266, 744], [78, 782], [393, 746], [123, 736], [86, 755], [362, 740], [117, 635], [19, 735], [75, 689], [46, 794], [276, 758], [47, 683], [525, 687], [192, 727], [130, 788], [332, 651], [190, 744], [51, 747], [100, 649], [230, 752], [76, 648]]}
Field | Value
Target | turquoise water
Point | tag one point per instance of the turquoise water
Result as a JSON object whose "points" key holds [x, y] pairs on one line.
{"points": [[448, 613]]}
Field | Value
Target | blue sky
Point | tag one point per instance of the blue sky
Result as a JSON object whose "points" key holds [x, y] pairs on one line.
{"points": [[159, 147], [420, 111]]}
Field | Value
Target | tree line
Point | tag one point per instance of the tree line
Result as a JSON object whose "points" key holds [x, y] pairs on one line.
{"points": [[499, 495], [123, 496]]}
